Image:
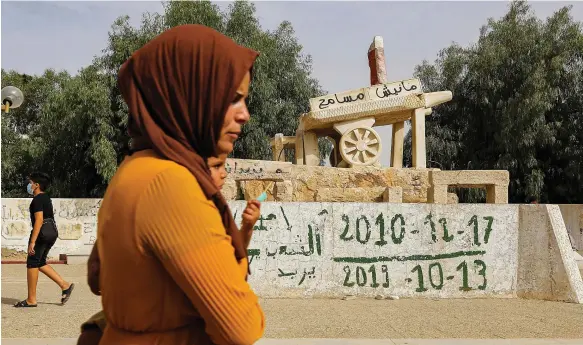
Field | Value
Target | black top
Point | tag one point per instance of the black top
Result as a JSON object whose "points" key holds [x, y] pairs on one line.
{"points": [[41, 202]]}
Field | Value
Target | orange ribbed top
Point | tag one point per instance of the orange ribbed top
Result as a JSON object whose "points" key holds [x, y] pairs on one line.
{"points": [[168, 270]]}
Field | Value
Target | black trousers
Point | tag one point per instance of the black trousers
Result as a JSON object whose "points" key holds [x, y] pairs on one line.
{"points": [[46, 239]]}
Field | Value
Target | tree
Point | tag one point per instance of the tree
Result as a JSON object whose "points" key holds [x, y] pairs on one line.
{"points": [[281, 85], [75, 127], [78, 132], [517, 104], [61, 129], [20, 149]]}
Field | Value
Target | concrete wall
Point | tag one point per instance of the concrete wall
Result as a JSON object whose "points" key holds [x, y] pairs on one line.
{"points": [[76, 220], [369, 249], [573, 217], [333, 249], [547, 268]]}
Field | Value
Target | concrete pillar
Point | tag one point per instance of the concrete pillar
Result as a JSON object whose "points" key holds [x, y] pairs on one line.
{"points": [[311, 151], [496, 194], [376, 62], [397, 145], [299, 147], [277, 148], [418, 137]]}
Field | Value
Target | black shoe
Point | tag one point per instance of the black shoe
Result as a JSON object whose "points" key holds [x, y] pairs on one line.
{"points": [[24, 304], [67, 294]]}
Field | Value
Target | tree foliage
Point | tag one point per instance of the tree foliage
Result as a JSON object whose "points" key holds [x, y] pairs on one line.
{"points": [[74, 127], [517, 105]]}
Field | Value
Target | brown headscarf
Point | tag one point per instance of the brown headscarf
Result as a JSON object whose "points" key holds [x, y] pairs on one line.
{"points": [[178, 88]]}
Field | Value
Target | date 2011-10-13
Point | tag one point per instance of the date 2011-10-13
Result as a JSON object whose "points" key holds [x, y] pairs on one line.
{"points": [[435, 276]]}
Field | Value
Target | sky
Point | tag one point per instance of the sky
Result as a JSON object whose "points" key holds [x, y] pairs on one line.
{"points": [[67, 35]]}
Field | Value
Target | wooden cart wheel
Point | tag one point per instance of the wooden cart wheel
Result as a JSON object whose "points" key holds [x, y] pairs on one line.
{"points": [[360, 146]]}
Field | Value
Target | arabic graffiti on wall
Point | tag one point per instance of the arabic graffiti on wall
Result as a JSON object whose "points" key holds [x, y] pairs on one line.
{"points": [[402, 249], [242, 167], [76, 221], [332, 249]]}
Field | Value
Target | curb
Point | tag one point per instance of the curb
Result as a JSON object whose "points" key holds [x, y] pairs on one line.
{"points": [[62, 261]]}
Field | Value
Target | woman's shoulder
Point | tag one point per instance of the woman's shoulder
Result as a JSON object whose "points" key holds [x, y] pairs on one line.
{"points": [[175, 195], [178, 175], [144, 174], [172, 177], [147, 167]]}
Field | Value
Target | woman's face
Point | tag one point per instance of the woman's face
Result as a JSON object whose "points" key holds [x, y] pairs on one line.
{"points": [[237, 115]]}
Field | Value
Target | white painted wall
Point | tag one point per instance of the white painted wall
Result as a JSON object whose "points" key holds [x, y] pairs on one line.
{"points": [[547, 268], [573, 217], [334, 249], [410, 260]]}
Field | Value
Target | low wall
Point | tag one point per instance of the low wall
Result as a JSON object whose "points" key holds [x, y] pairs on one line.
{"points": [[76, 220], [409, 250], [368, 249]]}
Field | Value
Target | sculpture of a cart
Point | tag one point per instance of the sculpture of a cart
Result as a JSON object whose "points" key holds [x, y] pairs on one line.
{"points": [[347, 118]]}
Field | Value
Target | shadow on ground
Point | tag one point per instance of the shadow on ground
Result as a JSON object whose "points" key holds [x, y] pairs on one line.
{"points": [[13, 301], [9, 301]]}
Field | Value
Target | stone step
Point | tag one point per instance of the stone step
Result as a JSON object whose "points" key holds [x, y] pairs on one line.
{"points": [[77, 259]]}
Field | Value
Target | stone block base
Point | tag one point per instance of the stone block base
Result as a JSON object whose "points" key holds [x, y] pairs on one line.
{"points": [[393, 195]]}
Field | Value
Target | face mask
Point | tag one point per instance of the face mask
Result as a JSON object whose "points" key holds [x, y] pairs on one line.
{"points": [[29, 189]]}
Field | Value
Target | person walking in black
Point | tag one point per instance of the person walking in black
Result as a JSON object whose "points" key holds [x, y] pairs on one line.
{"points": [[43, 236]]}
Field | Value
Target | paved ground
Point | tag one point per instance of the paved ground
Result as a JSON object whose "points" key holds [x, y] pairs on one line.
{"points": [[72, 341], [316, 318]]}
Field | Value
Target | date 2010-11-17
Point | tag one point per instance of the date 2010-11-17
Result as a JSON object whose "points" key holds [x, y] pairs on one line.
{"points": [[397, 230], [368, 277]]}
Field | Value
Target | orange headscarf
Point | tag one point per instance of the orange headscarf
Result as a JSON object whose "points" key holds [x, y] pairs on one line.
{"points": [[178, 88]]}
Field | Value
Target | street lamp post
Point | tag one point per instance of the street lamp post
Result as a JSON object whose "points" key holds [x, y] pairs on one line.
{"points": [[12, 98]]}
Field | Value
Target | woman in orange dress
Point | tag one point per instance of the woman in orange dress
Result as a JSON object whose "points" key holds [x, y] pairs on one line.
{"points": [[172, 263]]}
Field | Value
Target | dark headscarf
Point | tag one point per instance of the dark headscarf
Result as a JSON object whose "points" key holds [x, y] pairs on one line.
{"points": [[178, 88]]}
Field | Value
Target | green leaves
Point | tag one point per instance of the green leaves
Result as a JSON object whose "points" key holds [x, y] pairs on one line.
{"points": [[193, 12], [75, 127], [514, 105]]}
